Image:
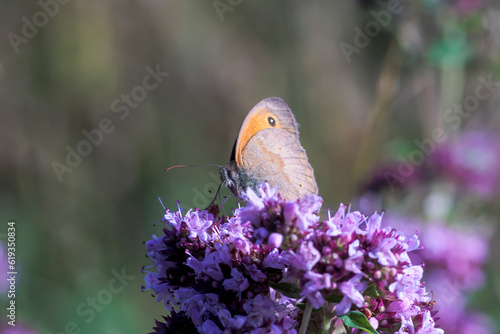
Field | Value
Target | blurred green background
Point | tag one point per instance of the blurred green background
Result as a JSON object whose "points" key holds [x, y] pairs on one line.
{"points": [[222, 57]]}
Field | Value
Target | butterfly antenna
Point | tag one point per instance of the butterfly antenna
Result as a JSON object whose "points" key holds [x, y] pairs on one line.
{"points": [[204, 165]]}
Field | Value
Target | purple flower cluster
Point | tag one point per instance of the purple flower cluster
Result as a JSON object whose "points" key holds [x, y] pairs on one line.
{"points": [[254, 271], [472, 160]]}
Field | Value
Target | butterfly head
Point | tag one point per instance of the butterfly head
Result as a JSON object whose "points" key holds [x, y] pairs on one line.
{"points": [[236, 179]]}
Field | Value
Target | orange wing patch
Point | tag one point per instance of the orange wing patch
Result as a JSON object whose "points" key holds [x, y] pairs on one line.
{"points": [[255, 121]]}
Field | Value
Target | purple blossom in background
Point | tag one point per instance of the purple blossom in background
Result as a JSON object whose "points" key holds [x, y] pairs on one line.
{"points": [[454, 257], [461, 252], [471, 160], [18, 329], [254, 271], [4, 268], [468, 6]]}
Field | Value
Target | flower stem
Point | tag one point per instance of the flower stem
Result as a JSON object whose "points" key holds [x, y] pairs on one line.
{"points": [[328, 315], [305, 318], [326, 324]]}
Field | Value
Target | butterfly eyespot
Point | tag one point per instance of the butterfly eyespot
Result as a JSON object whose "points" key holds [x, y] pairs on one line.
{"points": [[271, 121]]}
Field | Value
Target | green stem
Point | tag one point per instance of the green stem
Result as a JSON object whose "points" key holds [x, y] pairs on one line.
{"points": [[326, 324], [327, 318], [305, 318]]}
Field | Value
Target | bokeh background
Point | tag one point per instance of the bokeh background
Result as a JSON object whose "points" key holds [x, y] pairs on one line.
{"points": [[365, 79]]}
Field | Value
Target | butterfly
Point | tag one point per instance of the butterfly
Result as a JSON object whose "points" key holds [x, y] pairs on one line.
{"points": [[268, 149]]}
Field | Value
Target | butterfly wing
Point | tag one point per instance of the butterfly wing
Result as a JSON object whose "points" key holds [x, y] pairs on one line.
{"points": [[276, 156], [257, 120]]}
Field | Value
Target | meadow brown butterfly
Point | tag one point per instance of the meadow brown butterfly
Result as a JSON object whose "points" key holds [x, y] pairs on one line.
{"points": [[268, 149]]}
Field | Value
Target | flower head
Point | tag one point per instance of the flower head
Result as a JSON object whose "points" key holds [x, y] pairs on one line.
{"points": [[251, 271]]}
